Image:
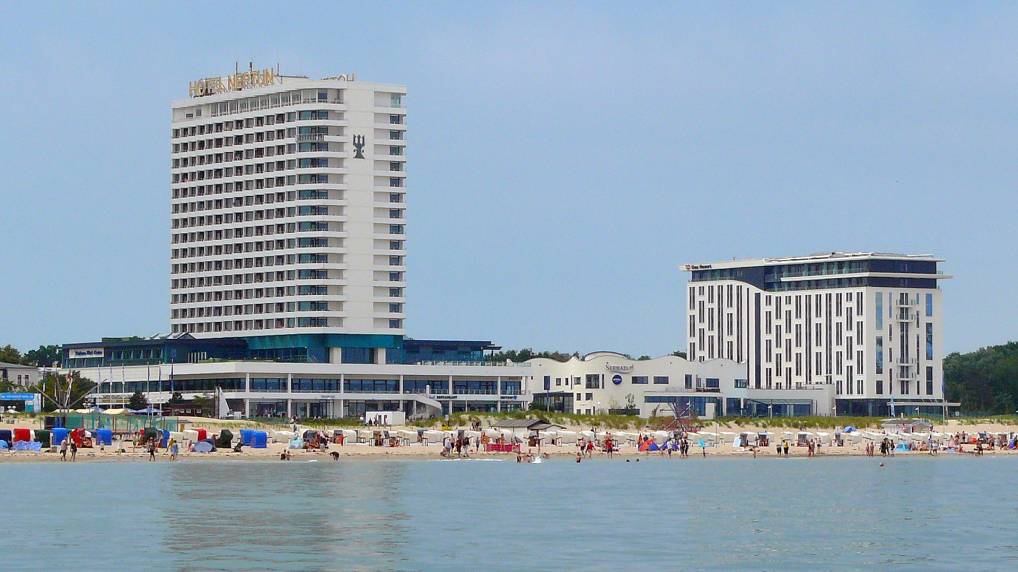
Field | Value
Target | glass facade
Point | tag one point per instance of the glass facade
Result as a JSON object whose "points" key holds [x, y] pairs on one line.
{"points": [[437, 386], [315, 385], [468, 387], [828, 274], [371, 386], [268, 384]]}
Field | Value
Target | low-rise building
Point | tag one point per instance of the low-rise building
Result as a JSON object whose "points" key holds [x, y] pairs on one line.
{"points": [[20, 375], [441, 377], [609, 382]]}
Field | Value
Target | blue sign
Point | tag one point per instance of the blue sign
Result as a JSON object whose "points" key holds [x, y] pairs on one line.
{"points": [[617, 379], [17, 396]]}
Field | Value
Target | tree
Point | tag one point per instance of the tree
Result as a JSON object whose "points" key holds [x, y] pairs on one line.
{"points": [[643, 358], [204, 403], [10, 354], [529, 353], [176, 397], [984, 381], [59, 392], [137, 401], [45, 356], [680, 354]]}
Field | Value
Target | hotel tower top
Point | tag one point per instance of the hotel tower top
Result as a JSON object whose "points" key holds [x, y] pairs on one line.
{"points": [[288, 210]]}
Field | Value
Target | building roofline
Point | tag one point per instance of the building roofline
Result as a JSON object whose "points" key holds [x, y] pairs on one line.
{"points": [[292, 83], [817, 257]]}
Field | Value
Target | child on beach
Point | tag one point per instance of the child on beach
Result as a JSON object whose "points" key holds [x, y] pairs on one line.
{"points": [[63, 449]]}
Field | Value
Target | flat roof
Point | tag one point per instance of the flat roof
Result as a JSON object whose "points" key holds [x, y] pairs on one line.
{"points": [[451, 344], [26, 366], [833, 256]]}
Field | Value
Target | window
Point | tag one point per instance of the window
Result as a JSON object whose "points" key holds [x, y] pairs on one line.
{"points": [[929, 305], [929, 341], [880, 355], [880, 310], [590, 397], [929, 380], [371, 385], [660, 379], [475, 387], [689, 381], [880, 387], [639, 380], [741, 384], [713, 383], [593, 381]]}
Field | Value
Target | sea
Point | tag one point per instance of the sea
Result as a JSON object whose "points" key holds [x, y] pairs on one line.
{"points": [[901, 513]]}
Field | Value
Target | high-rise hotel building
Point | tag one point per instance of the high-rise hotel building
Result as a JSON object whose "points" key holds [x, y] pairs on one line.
{"points": [[289, 215], [867, 324]]}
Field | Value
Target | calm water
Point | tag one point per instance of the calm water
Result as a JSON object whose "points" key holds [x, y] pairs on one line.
{"points": [[764, 514]]}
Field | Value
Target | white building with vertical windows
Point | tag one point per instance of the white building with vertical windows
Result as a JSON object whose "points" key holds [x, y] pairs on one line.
{"points": [[866, 324], [288, 212]]}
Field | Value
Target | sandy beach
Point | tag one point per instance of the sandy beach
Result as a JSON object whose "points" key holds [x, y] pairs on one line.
{"points": [[126, 452]]}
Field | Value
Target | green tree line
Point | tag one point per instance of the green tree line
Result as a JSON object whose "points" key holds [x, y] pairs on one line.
{"points": [[44, 356], [984, 381]]}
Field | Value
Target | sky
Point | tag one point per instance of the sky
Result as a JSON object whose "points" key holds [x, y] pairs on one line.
{"points": [[563, 158]]}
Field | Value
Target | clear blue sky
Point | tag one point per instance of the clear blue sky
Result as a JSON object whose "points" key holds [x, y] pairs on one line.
{"points": [[564, 158]]}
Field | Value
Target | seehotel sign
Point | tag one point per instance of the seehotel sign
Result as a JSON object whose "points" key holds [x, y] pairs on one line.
{"points": [[235, 82]]}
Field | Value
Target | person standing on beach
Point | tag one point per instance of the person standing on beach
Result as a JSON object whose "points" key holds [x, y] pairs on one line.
{"points": [[786, 448], [63, 449], [74, 451], [174, 449], [152, 450]]}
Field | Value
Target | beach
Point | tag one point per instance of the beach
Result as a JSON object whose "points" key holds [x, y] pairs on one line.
{"points": [[125, 451]]}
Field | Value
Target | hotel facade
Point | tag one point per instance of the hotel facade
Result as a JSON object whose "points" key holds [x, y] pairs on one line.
{"points": [[288, 250], [288, 215], [867, 325]]}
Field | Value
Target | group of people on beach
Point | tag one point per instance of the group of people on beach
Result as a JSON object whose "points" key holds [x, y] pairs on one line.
{"points": [[64, 447]]}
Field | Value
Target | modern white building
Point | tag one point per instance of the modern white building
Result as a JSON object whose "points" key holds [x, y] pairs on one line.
{"points": [[609, 382], [288, 214], [315, 390], [866, 324]]}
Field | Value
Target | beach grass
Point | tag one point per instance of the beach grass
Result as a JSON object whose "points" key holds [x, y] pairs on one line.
{"points": [[605, 421], [987, 419], [804, 422]]}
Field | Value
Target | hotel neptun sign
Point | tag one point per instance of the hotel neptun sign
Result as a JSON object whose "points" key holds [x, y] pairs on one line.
{"points": [[236, 82]]}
